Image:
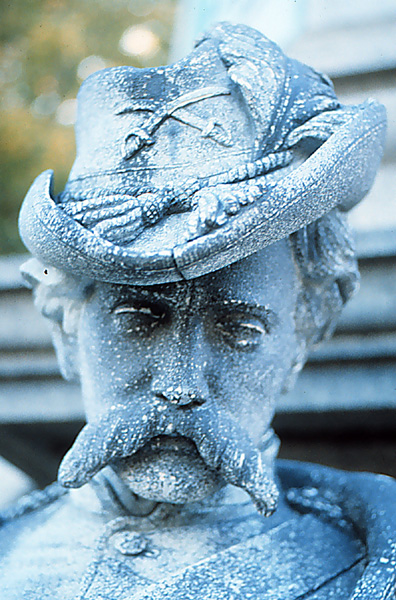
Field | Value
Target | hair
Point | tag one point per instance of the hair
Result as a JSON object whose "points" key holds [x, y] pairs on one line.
{"points": [[59, 297], [325, 257], [326, 265]]}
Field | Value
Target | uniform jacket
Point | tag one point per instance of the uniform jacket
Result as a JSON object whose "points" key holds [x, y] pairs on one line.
{"points": [[333, 537]]}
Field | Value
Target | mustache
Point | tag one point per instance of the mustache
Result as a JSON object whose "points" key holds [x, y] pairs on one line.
{"points": [[221, 442]]}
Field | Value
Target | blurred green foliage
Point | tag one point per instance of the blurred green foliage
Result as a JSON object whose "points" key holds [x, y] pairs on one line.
{"points": [[42, 46]]}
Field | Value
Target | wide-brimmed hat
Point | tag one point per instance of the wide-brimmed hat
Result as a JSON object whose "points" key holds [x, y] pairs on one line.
{"points": [[184, 169]]}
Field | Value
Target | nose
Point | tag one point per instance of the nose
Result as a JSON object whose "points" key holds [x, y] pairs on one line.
{"points": [[180, 395], [180, 369]]}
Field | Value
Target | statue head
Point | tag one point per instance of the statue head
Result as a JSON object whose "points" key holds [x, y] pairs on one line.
{"points": [[198, 251]]}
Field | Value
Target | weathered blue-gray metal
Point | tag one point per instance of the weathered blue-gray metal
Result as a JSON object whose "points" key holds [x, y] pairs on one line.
{"points": [[198, 252]]}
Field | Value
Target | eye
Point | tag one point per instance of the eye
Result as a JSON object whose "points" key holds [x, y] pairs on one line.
{"points": [[241, 331], [140, 317]]}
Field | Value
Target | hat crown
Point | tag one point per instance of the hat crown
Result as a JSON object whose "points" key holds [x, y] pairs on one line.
{"points": [[193, 101], [181, 170]]}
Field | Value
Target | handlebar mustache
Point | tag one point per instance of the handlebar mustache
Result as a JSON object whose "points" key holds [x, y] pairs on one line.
{"points": [[221, 442]]}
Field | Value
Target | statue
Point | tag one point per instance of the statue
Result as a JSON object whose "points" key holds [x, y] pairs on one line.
{"points": [[199, 250]]}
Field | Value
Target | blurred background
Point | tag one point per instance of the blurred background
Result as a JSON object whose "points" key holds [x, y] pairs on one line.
{"points": [[48, 47], [343, 410]]}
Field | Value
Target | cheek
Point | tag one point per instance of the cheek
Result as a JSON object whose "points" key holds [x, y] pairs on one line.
{"points": [[247, 387], [110, 362], [248, 383]]}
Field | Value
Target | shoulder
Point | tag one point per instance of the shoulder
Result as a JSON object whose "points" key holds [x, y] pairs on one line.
{"points": [[364, 502]]}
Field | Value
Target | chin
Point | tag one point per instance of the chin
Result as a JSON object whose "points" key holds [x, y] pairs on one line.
{"points": [[169, 469]]}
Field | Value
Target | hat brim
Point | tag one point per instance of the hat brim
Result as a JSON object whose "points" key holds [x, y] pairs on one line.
{"points": [[338, 174]]}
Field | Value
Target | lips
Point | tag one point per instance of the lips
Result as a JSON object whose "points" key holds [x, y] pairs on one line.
{"points": [[168, 444]]}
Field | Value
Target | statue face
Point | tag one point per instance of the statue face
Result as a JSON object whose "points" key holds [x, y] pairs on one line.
{"points": [[170, 372]]}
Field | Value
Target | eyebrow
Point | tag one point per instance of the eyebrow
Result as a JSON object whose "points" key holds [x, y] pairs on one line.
{"points": [[141, 294], [152, 295], [250, 307]]}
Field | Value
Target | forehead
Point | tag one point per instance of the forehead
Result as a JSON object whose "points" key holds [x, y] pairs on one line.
{"points": [[267, 273], [266, 276]]}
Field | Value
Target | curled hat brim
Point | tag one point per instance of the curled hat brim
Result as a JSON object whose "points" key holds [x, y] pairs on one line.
{"points": [[338, 174]]}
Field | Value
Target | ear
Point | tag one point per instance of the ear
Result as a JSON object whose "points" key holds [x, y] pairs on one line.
{"points": [[59, 298], [317, 308]]}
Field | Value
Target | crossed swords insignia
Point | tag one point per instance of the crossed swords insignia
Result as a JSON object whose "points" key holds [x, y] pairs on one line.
{"points": [[210, 128]]}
